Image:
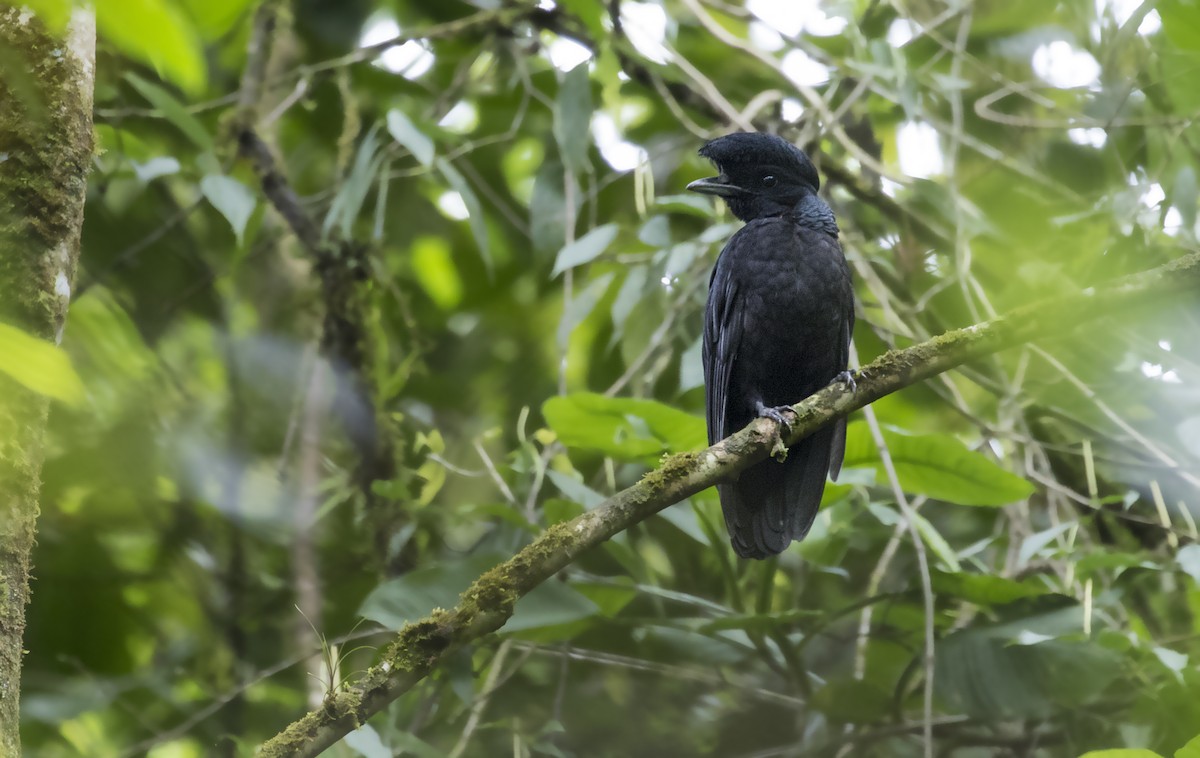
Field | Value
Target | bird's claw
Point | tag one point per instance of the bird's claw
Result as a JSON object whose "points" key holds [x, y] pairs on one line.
{"points": [[778, 414], [847, 380]]}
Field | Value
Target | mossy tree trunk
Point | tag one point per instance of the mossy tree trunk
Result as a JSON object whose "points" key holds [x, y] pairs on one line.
{"points": [[46, 83]]}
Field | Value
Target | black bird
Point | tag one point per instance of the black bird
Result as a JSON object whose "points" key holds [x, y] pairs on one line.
{"points": [[776, 329]]}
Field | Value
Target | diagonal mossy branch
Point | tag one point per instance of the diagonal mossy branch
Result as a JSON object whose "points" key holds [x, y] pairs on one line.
{"points": [[489, 602]]}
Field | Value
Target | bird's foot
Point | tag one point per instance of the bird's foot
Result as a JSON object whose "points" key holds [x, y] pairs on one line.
{"points": [[847, 379], [780, 415]]}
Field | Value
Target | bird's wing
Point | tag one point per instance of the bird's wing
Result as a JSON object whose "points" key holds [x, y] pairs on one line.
{"points": [[722, 335], [838, 443]]}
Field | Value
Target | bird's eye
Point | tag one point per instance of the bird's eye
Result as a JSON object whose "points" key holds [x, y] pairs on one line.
{"points": [[769, 181]]}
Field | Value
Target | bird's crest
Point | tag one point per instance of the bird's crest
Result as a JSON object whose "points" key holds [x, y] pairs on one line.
{"points": [[755, 148]]}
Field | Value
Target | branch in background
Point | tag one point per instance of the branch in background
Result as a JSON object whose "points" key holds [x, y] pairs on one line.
{"points": [[489, 602], [341, 267]]}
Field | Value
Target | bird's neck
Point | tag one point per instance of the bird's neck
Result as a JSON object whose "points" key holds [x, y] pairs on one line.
{"points": [[814, 213]]}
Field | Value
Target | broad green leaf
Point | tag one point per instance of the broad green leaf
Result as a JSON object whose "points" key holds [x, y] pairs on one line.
{"points": [[404, 131], [366, 742], [626, 428], [155, 32], [216, 17], [852, 701], [408, 598], [1181, 22], [1190, 750], [172, 110], [983, 589], [232, 199], [1188, 559], [551, 603], [474, 210], [937, 465], [984, 671], [1123, 752], [575, 489], [1174, 660], [39, 366], [53, 13], [584, 249], [572, 118]]}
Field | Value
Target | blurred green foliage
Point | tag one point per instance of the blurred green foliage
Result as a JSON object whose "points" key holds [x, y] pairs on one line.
{"points": [[206, 569]]}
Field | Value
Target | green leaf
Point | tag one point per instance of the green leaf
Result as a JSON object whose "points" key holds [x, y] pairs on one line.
{"points": [[548, 207], [474, 210], [404, 131], [982, 672], [1181, 22], [216, 17], [155, 32], [581, 306], [173, 111], [692, 205], [572, 118], [232, 199], [53, 13], [934, 540], [1123, 752], [626, 428], [552, 603], [1190, 750], [408, 598], [983, 589], [163, 165], [852, 701], [1188, 559], [584, 249], [39, 366], [353, 193], [366, 742], [937, 465], [575, 489]]}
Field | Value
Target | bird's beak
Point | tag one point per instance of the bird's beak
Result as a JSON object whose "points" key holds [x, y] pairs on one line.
{"points": [[714, 185]]}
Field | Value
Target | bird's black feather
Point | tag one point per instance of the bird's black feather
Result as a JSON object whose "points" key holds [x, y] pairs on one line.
{"points": [[777, 329]]}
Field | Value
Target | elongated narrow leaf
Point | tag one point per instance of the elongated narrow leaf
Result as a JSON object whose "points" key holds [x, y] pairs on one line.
{"points": [[404, 131], [983, 589], [626, 428], [38, 365], [173, 111], [584, 249], [353, 193], [581, 306], [937, 465], [474, 210], [572, 118]]}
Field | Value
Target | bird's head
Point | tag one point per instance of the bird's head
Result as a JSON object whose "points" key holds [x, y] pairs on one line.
{"points": [[760, 174]]}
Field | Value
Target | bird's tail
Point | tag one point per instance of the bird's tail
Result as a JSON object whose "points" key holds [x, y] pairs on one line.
{"points": [[771, 504]]}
